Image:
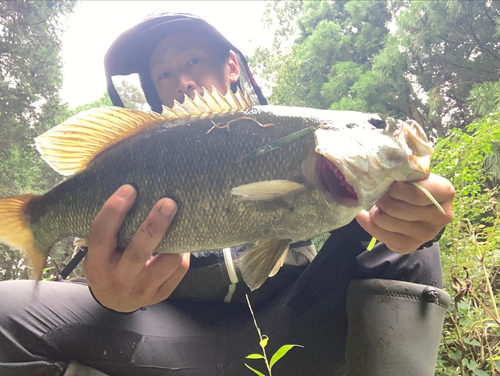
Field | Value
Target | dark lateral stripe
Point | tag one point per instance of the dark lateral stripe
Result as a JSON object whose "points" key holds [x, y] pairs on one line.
{"points": [[277, 144]]}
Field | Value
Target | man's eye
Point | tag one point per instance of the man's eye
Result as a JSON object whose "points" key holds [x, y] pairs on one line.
{"points": [[164, 75], [194, 61]]}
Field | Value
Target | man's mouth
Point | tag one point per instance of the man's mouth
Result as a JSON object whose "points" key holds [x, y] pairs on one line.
{"points": [[332, 179]]}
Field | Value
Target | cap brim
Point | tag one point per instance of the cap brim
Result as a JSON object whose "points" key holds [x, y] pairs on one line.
{"points": [[131, 51]]}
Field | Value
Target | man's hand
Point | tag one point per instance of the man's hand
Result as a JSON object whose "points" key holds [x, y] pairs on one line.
{"points": [[404, 218], [126, 281]]}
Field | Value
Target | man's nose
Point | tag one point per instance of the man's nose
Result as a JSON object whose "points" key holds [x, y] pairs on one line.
{"points": [[186, 84]]}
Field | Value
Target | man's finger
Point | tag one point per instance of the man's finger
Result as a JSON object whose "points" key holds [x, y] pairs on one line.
{"points": [[157, 270], [102, 234], [384, 221], [173, 281], [440, 188], [147, 238], [407, 212], [398, 243]]}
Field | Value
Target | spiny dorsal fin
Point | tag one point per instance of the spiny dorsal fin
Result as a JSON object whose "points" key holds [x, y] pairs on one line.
{"points": [[209, 104], [69, 147]]}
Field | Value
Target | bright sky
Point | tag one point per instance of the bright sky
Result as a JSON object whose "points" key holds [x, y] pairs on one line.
{"points": [[95, 25]]}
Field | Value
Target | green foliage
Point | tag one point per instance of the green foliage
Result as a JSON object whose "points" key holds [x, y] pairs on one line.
{"points": [[344, 59], [22, 170], [451, 46], [436, 62], [411, 59], [12, 264], [130, 94], [30, 78], [263, 340], [470, 253], [320, 240], [285, 13], [485, 98], [29, 63], [461, 161], [492, 162]]}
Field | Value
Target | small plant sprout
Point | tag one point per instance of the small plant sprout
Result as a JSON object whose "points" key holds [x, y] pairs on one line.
{"points": [[263, 343], [428, 194]]}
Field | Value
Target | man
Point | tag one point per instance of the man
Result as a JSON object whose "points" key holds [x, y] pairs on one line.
{"points": [[165, 314]]}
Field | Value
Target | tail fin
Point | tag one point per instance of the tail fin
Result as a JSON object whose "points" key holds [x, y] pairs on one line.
{"points": [[15, 230]]}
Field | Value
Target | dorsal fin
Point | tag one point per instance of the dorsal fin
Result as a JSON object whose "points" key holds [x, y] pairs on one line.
{"points": [[69, 147], [209, 104]]}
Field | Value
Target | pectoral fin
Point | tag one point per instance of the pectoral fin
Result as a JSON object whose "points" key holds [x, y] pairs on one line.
{"points": [[268, 190], [262, 260]]}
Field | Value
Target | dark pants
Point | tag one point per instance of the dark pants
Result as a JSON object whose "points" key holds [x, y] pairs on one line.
{"points": [[42, 330]]}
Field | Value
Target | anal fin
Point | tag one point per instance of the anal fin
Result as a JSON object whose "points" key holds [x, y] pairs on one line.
{"points": [[279, 264], [262, 260]]}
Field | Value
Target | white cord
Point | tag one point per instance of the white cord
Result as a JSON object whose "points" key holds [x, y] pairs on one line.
{"points": [[231, 271]]}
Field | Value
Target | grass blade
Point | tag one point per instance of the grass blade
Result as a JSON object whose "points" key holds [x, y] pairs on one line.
{"points": [[254, 370], [428, 194], [372, 244]]}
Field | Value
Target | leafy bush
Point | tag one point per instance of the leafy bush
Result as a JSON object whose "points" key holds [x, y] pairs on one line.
{"points": [[470, 252]]}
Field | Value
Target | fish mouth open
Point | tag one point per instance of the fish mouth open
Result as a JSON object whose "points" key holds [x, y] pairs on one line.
{"points": [[333, 181]]}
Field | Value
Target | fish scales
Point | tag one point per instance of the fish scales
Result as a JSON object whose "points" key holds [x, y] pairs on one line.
{"points": [[266, 175], [194, 168]]}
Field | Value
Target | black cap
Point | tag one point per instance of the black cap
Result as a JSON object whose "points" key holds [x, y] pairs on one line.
{"points": [[131, 51]]}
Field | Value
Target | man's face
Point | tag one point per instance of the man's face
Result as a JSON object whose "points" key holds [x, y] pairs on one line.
{"points": [[185, 63]]}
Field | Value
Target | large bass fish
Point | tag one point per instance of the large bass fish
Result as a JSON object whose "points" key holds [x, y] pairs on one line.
{"points": [[264, 175]]}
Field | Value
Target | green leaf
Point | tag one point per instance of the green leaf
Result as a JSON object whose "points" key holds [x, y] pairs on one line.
{"points": [[455, 354], [472, 365], [478, 372], [466, 322], [440, 144], [254, 370], [255, 356], [263, 342], [465, 362], [463, 305], [281, 353], [472, 343]]}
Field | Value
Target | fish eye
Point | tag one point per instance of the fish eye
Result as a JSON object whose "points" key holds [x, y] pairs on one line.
{"points": [[194, 61]]}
